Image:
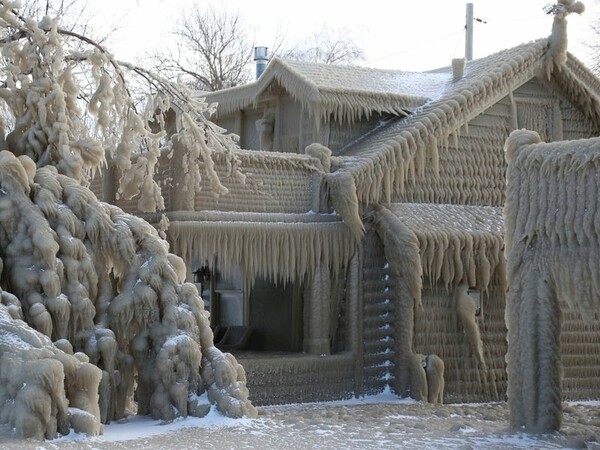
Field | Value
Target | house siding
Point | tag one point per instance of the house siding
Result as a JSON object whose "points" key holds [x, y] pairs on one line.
{"points": [[471, 164], [96, 186], [438, 331], [579, 341], [296, 378], [471, 160]]}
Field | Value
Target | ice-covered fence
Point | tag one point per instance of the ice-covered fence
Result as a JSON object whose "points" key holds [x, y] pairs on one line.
{"points": [[552, 219], [274, 183]]}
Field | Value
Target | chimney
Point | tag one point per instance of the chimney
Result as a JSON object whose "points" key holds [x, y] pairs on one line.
{"points": [[261, 59], [458, 68]]}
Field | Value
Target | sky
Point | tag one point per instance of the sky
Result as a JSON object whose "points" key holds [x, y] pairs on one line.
{"points": [[395, 34]]}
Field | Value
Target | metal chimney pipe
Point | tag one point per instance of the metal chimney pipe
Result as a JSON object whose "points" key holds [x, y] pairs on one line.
{"points": [[261, 58], [469, 33]]}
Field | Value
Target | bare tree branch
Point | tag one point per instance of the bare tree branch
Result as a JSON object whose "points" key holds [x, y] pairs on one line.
{"points": [[214, 51], [75, 16], [327, 46]]}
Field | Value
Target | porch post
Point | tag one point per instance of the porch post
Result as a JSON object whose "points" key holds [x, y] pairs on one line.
{"points": [[316, 313]]}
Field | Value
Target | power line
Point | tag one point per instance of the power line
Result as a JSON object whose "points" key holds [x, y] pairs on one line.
{"points": [[420, 45]]}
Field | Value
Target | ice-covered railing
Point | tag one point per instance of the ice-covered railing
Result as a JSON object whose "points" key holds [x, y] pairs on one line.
{"points": [[271, 183], [274, 182]]}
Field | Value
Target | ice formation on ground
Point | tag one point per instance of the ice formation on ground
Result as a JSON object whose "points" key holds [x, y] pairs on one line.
{"points": [[434, 369]]}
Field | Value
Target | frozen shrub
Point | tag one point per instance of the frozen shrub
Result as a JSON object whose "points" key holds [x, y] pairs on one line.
{"points": [[98, 282]]}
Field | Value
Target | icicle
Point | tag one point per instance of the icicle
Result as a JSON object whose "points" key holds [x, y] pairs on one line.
{"points": [[255, 246], [466, 309], [345, 201], [434, 155]]}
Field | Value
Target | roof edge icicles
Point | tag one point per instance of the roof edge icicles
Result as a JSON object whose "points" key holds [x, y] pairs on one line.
{"points": [[342, 105], [274, 250], [402, 155], [458, 244]]}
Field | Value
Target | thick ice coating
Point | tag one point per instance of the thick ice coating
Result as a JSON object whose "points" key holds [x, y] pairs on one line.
{"points": [[552, 239], [100, 283]]}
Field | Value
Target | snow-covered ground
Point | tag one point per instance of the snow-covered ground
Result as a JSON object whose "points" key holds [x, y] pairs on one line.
{"points": [[371, 423]]}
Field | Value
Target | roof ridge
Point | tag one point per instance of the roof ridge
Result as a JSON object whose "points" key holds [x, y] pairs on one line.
{"points": [[399, 155]]}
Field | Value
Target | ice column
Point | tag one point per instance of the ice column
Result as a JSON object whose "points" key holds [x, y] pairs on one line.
{"points": [[316, 313]]}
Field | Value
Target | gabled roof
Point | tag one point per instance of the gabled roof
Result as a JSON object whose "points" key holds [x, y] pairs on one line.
{"points": [[379, 163], [346, 92]]}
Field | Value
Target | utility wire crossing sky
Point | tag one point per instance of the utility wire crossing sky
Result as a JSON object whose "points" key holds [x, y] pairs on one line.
{"points": [[403, 35]]}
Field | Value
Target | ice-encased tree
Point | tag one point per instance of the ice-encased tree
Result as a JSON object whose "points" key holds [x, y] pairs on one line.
{"points": [[96, 320]]}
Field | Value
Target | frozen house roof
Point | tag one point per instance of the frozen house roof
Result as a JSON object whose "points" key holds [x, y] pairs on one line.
{"points": [[431, 219], [380, 162], [346, 92]]}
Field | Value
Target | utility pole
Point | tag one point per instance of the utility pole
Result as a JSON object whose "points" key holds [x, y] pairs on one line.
{"points": [[469, 33]]}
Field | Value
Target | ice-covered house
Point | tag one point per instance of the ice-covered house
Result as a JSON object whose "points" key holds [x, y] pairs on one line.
{"points": [[330, 270]]}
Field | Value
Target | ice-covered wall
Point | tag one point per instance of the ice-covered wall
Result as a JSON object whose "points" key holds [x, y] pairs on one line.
{"points": [[471, 168], [439, 330], [276, 379], [552, 241], [434, 253]]}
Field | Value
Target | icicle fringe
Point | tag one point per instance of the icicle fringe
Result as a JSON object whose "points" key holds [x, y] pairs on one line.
{"points": [[457, 244], [327, 101], [399, 153], [274, 250]]}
